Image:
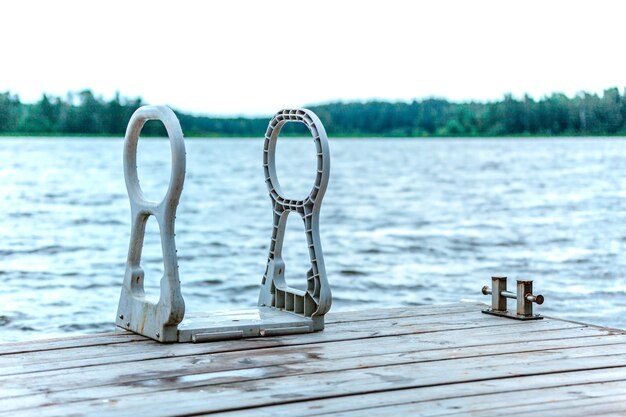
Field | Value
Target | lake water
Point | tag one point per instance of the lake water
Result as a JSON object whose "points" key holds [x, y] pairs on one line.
{"points": [[404, 222]]}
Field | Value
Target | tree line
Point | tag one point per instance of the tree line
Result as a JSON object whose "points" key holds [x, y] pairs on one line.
{"points": [[83, 113]]}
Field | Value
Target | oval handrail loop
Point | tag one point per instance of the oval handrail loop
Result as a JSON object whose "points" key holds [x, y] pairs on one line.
{"points": [[135, 313], [320, 138], [177, 145], [316, 300]]}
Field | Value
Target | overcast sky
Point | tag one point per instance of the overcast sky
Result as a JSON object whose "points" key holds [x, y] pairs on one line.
{"points": [[255, 57]]}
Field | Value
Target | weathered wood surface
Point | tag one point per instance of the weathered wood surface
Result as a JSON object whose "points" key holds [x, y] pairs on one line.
{"points": [[431, 361]]}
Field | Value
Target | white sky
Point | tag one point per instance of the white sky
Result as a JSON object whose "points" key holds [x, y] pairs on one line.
{"points": [[255, 57]]}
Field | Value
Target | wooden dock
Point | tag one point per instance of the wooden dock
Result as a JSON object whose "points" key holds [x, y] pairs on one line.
{"points": [[430, 361]]}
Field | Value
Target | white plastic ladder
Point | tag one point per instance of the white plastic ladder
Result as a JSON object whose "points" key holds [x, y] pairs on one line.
{"points": [[281, 309]]}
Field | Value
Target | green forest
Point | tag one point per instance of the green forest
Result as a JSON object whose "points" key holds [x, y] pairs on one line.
{"points": [[585, 114]]}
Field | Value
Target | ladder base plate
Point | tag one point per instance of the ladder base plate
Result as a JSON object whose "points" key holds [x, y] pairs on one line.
{"points": [[238, 324]]}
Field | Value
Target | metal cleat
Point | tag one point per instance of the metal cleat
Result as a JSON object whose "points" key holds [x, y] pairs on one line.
{"points": [[524, 297]]}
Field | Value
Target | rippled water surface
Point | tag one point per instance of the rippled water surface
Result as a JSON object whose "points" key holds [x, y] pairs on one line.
{"points": [[404, 222]]}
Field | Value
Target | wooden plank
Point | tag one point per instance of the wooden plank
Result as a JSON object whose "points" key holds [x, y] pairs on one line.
{"points": [[112, 354], [583, 407], [429, 350], [400, 312], [69, 342], [556, 402], [537, 401], [269, 385], [607, 406], [469, 394]]}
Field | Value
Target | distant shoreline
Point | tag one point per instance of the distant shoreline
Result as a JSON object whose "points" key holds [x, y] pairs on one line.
{"points": [[584, 115]]}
